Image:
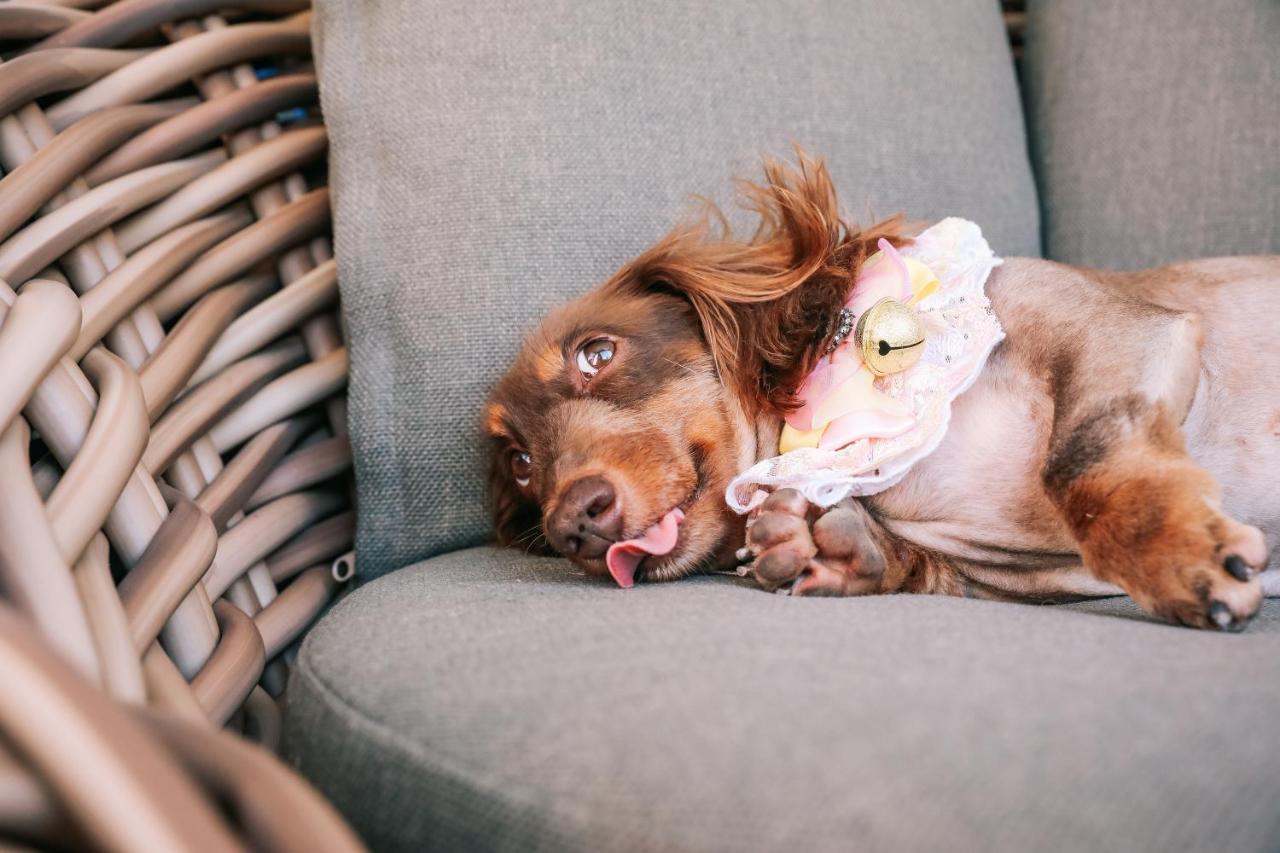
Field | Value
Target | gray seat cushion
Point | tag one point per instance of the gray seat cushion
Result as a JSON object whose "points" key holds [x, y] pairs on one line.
{"points": [[492, 158], [487, 701], [1155, 127]]}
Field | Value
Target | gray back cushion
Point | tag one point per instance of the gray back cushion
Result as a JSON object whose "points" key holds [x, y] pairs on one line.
{"points": [[492, 158], [1155, 128]]}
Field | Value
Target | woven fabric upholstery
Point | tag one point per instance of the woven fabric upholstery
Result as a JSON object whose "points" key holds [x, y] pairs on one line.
{"points": [[485, 701], [1155, 128], [493, 158]]}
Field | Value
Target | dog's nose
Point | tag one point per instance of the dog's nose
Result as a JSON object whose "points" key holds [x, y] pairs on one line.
{"points": [[588, 519]]}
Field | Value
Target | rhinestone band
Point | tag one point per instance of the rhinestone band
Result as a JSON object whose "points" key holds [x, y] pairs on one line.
{"points": [[843, 328]]}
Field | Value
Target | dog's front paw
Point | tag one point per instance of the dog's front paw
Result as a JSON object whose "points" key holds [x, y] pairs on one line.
{"points": [[820, 552], [1213, 584], [1184, 560], [779, 542]]}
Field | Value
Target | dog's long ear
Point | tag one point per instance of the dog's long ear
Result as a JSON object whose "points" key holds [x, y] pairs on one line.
{"points": [[517, 522], [767, 305]]}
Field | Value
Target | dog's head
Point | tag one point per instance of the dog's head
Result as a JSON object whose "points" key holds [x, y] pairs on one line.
{"points": [[627, 412]]}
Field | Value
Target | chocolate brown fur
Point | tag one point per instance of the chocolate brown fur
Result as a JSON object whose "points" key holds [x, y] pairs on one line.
{"points": [[1122, 438]]}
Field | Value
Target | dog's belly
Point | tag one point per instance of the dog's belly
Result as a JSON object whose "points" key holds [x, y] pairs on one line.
{"points": [[979, 500]]}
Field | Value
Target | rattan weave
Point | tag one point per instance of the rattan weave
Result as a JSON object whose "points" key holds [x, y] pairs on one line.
{"points": [[173, 462]]}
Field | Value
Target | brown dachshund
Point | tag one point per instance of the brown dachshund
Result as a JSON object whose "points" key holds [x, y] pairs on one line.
{"points": [[1125, 436]]}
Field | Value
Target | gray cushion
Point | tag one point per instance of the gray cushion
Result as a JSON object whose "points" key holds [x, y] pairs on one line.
{"points": [[1155, 128], [487, 701], [491, 158]]}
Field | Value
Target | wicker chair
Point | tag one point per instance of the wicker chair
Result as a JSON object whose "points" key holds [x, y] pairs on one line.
{"points": [[174, 492]]}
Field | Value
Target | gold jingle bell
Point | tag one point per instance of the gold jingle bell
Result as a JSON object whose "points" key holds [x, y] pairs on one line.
{"points": [[890, 337]]}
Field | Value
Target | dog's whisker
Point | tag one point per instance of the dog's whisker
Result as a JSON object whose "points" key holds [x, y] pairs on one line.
{"points": [[529, 538], [532, 528], [533, 543], [686, 368]]}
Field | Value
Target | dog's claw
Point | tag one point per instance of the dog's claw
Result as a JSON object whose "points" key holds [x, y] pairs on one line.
{"points": [[1221, 616], [1237, 567]]}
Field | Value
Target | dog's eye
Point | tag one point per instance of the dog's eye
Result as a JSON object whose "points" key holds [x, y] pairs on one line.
{"points": [[595, 356], [521, 467]]}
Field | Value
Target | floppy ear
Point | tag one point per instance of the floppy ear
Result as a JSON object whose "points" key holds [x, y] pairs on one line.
{"points": [[768, 305], [517, 521]]}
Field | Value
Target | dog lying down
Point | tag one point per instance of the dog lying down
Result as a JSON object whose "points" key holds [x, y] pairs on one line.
{"points": [[839, 411]]}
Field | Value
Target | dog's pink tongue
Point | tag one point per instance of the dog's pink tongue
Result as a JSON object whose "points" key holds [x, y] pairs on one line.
{"points": [[624, 556]]}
